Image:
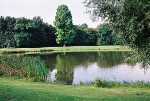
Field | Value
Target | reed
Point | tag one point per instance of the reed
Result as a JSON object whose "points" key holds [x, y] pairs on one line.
{"points": [[32, 68]]}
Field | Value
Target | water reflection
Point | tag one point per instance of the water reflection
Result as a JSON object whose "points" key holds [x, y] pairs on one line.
{"points": [[73, 68]]}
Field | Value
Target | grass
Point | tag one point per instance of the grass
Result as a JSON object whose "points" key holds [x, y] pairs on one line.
{"points": [[16, 90], [110, 84], [32, 68], [64, 49]]}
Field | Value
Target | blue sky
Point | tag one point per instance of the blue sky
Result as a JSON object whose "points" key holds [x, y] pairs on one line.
{"points": [[46, 9]]}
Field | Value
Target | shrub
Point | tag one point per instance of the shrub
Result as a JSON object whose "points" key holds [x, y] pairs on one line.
{"points": [[100, 83]]}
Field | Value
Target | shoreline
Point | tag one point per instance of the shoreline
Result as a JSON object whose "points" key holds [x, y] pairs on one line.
{"points": [[64, 49]]}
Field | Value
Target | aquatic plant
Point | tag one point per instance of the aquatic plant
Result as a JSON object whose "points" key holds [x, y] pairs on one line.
{"points": [[29, 67]]}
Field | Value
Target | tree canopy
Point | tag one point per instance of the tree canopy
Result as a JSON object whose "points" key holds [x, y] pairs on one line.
{"points": [[64, 25], [105, 35], [23, 32], [129, 18]]}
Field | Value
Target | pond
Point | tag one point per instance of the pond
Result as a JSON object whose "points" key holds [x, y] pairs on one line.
{"points": [[85, 67]]}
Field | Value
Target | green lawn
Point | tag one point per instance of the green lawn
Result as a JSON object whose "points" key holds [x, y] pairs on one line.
{"points": [[15, 90], [65, 49]]}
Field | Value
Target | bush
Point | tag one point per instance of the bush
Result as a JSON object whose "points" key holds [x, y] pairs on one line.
{"points": [[100, 83]]}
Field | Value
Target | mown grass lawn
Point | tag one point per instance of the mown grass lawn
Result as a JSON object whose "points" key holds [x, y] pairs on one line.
{"points": [[65, 49], [17, 90]]}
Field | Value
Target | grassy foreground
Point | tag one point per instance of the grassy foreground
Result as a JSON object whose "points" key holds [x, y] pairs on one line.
{"points": [[65, 49], [15, 90]]}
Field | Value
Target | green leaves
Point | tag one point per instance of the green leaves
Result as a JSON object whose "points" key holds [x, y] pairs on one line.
{"points": [[23, 32], [64, 25], [105, 35], [129, 18]]}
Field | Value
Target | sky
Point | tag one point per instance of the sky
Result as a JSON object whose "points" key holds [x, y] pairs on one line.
{"points": [[46, 9]]}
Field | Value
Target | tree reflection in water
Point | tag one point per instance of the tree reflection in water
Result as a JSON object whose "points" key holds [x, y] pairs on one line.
{"points": [[65, 64]]}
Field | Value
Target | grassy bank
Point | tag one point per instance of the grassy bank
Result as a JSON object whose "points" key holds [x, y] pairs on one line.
{"points": [[65, 49], [14, 90]]}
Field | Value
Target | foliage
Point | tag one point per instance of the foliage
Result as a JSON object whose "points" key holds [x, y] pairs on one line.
{"points": [[23, 67], [99, 83], [83, 26], [64, 25], [92, 36], [109, 84], [80, 36], [33, 33], [129, 18], [105, 35], [23, 33]]}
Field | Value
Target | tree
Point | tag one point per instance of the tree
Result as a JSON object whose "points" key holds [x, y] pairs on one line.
{"points": [[80, 37], [105, 35], [7, 31], [83, 26], [64, 25], [92, 36], [129, 18]]}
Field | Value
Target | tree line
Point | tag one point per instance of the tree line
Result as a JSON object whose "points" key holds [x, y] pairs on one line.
{"points": [[30, 33], [23, 32]]}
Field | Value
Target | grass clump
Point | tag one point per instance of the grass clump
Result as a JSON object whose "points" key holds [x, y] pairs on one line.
{"points": [[32, 68], [110, 84]]}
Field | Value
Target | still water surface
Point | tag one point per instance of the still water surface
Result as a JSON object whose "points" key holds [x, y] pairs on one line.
{"points": [[73, 68]]}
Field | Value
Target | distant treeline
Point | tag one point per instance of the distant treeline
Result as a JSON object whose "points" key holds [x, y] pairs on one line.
{"points": [[29, 33]]}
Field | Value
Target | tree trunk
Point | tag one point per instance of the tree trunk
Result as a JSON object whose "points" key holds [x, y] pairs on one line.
{"points": [[64, 45]]}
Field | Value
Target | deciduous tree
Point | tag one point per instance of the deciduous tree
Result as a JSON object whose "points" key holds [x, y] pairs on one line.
{"points": [[64, 25], [130, 18]]}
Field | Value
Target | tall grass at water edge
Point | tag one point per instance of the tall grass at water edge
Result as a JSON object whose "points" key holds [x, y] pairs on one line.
{"points": [[32, 68], [102, 83]]}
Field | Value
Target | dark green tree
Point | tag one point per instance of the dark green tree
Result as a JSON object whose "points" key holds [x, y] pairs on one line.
{"points": [[50, 31], [105, 35], [7, 31], [83, 26], [92, 36], [23, 33], [64, 25], [80, 37]]}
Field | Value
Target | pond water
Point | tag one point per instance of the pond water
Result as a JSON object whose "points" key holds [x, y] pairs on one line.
{"points": [[85, 67]]}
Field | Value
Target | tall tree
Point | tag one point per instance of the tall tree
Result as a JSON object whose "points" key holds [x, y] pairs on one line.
{"points": [[130, 18], [64, 25]]}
